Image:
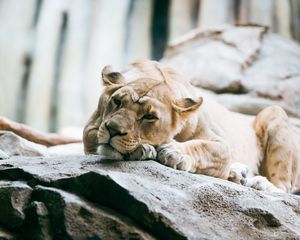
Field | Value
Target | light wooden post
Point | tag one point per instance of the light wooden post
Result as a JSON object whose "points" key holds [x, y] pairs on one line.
{"points": [[261, 12], [257, 12], [44, 65], [216, 12], [16, 19], [138, 31], [181, 17], [70, 88], [295, 13], [105, 46], [283, 17]]}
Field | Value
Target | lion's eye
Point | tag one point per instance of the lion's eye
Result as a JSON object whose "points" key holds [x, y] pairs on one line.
{"points": [[150, 117], [117, 102]]}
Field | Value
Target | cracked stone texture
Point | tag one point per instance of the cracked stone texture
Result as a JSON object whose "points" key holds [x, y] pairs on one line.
{"points": [[84, 197], [246, 68], [14, 197]]}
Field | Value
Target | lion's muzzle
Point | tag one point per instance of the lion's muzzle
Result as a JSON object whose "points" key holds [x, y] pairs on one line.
{"points": [[120, 132], [114, 128]]}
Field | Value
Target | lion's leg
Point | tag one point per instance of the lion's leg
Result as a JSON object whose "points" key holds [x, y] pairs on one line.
{"points": [[197, 156], [278, 143]]}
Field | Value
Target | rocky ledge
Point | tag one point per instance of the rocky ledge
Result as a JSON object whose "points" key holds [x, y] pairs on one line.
{"points": [[84, 197]]}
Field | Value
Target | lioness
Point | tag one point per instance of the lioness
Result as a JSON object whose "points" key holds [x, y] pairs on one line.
{"points": [[149, 111]]}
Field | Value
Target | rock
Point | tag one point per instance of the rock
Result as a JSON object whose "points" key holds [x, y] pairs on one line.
{"points": [[37, 222], [13, 145], [3, 155], [244, 65], [14, 197], [66, 149], [75, 218], [84, 196]]}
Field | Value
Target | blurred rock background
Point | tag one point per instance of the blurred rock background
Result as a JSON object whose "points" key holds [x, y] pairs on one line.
{"points": [[52, 51]]}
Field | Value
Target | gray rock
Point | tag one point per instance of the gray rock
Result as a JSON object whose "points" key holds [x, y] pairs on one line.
{"points": [[75, 218], [14, 145], [37, 222], [14, 197], [66, 149], [3, 155], [84, 196], [243, 62]]}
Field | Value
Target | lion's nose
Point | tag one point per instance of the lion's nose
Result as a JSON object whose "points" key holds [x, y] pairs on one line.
{"points": [[114, 129]]}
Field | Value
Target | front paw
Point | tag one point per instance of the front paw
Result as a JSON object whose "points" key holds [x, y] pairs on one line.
{"points": [[261, 183], [170, 155], [239, 173], [143, 152]]}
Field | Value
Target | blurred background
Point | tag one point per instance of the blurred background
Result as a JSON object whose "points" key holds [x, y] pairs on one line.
{"points": [[52, 51]]}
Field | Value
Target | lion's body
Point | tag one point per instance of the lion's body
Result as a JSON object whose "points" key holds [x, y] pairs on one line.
{"points": [[150, 105], [235, 129]]}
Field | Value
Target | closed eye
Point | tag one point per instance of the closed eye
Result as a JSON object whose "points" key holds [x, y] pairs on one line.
{"points": [[150, 117]]}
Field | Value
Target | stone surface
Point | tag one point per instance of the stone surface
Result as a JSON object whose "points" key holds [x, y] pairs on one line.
{"points": [[37, 221], [14, 145], [85, 197], [246, 67], [3, 155], [75, 218], [14, 197], [66, 149]]}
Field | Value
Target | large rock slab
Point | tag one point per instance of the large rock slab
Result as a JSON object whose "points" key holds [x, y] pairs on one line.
{"points": [[71, 217], [3, 155], [14, 145], [14, 197], [84, 196], [246, 68]]}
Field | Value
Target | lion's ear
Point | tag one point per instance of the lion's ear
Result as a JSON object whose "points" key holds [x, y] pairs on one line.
{"points": [[187, 104], [109, 77]]}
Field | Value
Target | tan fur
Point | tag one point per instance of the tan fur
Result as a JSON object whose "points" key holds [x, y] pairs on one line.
{"points": [[149, 111]]}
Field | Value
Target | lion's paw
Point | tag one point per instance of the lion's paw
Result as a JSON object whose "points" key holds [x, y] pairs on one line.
{"points": [[239, 173], [261, 183], [170, 155], [107, 152], [143, 152]]}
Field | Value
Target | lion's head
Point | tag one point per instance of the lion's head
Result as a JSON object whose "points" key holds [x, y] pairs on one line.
{"points": [[147, 108]]}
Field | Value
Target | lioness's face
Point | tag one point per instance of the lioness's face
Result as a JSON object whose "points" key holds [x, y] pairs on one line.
{"points": [[132, 118], [143, 111]]}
